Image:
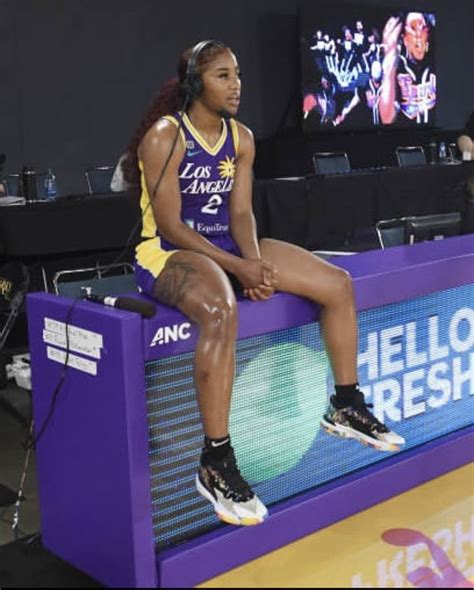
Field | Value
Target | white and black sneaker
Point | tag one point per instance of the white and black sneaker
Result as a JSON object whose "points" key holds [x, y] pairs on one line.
{"points": [[221, 482], [357, 422]]}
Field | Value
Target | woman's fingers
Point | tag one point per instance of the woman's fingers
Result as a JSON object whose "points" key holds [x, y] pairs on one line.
{"points": [[260, 293]]}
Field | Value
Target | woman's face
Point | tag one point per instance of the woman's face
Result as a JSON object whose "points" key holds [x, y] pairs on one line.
{"points": [[416, 36], [221, 79]]}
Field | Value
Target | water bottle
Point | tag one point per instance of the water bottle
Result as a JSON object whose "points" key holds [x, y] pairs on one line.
{"points": [[442, 151], [453, 156], [50, 187]]}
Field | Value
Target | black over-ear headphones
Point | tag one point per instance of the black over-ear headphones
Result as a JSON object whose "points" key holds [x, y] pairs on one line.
{"points": [[192, 84]]}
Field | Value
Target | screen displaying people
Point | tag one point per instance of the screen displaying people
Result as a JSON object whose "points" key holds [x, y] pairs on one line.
{"points": [[366, 66]]}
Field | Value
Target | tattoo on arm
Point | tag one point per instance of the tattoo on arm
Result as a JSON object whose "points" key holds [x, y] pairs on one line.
{"points": [[174, 281]]}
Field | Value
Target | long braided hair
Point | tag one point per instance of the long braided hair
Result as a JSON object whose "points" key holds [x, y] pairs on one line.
{"points": [[167, 101]]}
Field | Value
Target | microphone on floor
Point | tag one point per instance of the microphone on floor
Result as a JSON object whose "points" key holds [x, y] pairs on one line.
{"points": [[145, 308]]}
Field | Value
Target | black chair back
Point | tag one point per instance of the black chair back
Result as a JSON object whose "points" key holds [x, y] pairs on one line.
{"points": [[11, 183], [410, 156], [391, 232], [98, 179], [331, 163]]}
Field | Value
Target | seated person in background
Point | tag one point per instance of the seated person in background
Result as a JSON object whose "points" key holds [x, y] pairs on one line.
{"points": [[466, 139], [118, 183]]}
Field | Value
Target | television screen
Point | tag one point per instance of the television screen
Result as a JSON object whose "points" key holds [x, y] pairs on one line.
{"points": [[366, 66], [432, 227]]}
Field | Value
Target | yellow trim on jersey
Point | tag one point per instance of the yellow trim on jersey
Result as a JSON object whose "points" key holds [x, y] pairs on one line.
{"points": [[149, 228], [148, 217], [235, 135], [200, 139], [171, 119], [151, 256]]}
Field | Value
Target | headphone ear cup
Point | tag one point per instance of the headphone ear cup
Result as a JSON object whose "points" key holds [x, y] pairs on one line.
{"points": [[192, 85], [185, 87], [198, 86]]}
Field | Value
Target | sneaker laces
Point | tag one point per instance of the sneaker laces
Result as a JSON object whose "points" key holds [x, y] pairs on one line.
{"points": [[363, 408], [237, 488]]}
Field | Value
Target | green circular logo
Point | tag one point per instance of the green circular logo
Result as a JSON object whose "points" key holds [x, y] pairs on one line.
{"points": [[277, 403]]}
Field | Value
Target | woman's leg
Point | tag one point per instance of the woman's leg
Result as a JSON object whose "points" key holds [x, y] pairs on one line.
{"points": [[302, 273], [199, 288]]}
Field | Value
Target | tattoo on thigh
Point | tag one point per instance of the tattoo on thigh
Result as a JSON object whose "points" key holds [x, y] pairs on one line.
{"points": [[174, 281]]}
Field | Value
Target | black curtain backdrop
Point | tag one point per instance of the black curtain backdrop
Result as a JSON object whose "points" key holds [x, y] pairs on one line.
{"points": [[76, 75]]}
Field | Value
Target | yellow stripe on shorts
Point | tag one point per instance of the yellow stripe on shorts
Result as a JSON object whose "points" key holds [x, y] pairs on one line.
{"points": [[151, 256]]}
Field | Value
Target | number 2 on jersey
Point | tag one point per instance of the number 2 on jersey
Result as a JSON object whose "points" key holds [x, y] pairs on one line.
{"points": [[212, 206]]}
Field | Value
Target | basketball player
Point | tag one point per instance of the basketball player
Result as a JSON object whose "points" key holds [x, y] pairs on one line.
{"points": [[409, 83], [199, 239]]}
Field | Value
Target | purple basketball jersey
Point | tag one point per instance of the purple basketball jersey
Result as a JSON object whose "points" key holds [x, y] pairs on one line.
{"points": [[206, 178]]}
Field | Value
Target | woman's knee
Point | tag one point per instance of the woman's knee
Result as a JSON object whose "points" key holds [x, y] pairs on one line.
{"points": [[211, 303], [342, 289], [217, 314]]}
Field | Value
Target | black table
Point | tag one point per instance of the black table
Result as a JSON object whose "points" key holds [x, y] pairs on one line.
{"points": [[281, 209], [324, 211], [314, 211], [67, 225]]}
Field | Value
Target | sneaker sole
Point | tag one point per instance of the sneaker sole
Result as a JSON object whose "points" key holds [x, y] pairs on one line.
{"points": [[223, 514], [346, 432]]}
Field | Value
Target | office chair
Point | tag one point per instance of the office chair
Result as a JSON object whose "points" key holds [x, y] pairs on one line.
{"points": [[98, 179], [11, 184], [391, 232], [331, 163], [410, 156], [120, 279]]}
